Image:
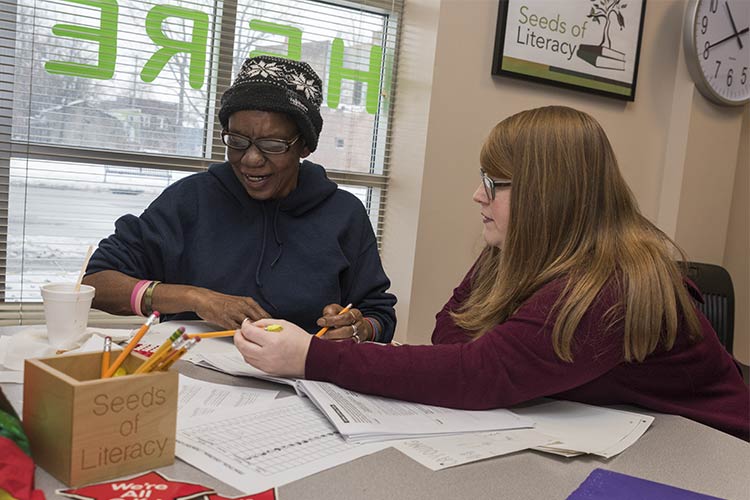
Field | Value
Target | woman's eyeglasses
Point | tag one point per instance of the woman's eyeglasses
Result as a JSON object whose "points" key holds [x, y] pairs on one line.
{"points": [[491, 184], [265, 146]]}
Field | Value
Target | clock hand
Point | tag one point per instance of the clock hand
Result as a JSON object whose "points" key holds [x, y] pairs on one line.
{"points": [[741, 32], [734, 26]]}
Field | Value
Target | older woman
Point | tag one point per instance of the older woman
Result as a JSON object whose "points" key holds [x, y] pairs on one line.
{"points": [[259, 235], [575, 296]]}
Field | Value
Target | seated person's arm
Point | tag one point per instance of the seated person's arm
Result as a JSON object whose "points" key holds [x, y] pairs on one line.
{"points": [[367, 284], [114, 291]]}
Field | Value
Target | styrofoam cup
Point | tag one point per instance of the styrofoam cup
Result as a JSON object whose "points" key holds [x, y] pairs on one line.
{"points": [[66, 312]]}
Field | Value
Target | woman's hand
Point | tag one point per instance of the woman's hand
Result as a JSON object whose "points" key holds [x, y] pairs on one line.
{"points": [[348, 326], [226, 310], [281, 353]]}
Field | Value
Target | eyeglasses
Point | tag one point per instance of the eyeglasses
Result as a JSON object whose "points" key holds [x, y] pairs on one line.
{"points": [[265, 146], [491, 184]]}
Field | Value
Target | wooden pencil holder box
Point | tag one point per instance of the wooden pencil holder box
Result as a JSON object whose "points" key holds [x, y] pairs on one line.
{"points": [[85, 429]]}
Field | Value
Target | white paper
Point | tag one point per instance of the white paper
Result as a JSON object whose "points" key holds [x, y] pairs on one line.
{"points": [[442, 452], [266, 445], [14, 394], [28, 342], [157, 334], [365, 418], [11, 377], [198, 397], [582, 428], [234, 364], [19, 347], [95, 343]]}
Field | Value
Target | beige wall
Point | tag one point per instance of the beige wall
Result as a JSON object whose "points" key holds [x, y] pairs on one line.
{"points": [[737, 251], [433, 227]]}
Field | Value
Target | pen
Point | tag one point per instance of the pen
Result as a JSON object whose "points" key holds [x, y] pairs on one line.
{"points": [[131, 345], [105, 354], [154, 358], [325, 328]]}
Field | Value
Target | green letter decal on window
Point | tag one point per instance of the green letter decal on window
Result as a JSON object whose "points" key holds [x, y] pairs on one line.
{"points": [[339, 72], [105, 36], [196, 47], [292, 34]]}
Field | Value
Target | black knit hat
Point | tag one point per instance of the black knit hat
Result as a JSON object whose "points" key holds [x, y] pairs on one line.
{"points": [[268, 83]]}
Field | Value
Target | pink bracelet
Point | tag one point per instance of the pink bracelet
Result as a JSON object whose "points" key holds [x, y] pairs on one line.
{"points": [[137, 295], [374, 329]]}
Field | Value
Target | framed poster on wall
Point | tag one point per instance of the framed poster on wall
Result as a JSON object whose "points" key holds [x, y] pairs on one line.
{"points": [[589, 45]]}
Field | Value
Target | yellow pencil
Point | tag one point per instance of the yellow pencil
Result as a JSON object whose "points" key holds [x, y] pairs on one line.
{"points": [[209, 335], [173, 356], [105, 354], [131, 345], [325, 328], [154, 358], [228, 333], [164, 355]]}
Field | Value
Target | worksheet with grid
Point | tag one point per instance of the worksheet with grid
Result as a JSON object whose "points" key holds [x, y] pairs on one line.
{"points": [[266, 445]]}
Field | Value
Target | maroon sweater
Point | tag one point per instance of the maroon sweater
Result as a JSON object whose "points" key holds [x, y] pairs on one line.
{"points": [[515, 362]]}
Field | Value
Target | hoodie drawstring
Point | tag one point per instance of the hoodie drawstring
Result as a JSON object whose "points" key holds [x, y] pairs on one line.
{"points": [[258, 283], [264, 240], [276, 235]]}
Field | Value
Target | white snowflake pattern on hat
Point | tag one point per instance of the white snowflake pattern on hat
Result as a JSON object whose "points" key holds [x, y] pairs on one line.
{"points": [[307, 86], [264, 69]]}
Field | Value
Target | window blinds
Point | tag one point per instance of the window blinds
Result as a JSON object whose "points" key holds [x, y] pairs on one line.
{"points": [[104, 103]]}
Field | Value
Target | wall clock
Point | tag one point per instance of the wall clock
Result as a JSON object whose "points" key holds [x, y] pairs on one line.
{"points": [[716, 37]]}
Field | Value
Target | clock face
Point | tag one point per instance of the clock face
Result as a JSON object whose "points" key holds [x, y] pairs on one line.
{"points": [[719, 59]]}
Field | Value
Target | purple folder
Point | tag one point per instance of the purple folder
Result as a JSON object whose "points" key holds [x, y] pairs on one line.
{"points": [[607, 485]]}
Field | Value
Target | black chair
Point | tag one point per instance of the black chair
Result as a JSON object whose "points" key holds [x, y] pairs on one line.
{"points": [[718, 295]]}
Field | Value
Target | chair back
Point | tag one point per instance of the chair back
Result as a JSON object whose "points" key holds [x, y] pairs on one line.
{"points": [[716, 286]]}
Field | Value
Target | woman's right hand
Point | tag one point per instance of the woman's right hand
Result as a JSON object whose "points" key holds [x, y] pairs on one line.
{"points": [[226, 310], [281, 352]]}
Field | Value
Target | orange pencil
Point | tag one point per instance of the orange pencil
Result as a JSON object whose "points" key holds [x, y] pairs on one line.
{"points": [[105, 354], [131, 345], [325, 328]]}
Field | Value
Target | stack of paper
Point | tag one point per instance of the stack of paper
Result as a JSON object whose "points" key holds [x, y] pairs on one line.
{"points": [[362, 418], [580, 428], [234, 364], [442, 452], [265, 445], [198, 398]]}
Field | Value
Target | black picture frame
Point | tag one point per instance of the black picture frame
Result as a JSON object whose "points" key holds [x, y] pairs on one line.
{"points": [[590, 67]]}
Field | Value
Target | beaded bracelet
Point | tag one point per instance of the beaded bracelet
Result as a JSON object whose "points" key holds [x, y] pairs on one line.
{"points": [[136, 296], [374, 324], [148, 297]]}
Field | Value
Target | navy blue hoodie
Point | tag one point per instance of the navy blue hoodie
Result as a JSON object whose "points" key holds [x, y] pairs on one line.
{"points": [[293, 256]]}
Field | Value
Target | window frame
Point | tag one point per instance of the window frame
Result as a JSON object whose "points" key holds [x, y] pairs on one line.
{"points": [[220, 56]]}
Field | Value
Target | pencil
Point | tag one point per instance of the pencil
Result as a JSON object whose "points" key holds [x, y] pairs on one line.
{"points": [[325, 328], [228, 333], [208, 335], [154, 358], [177, 354], [105, 354], [176, 346], [131, 345]]}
